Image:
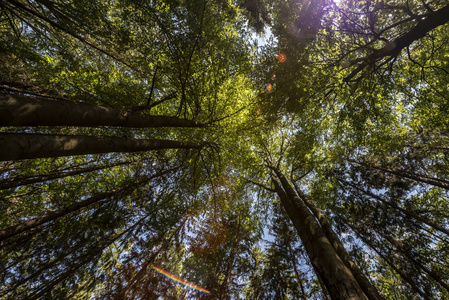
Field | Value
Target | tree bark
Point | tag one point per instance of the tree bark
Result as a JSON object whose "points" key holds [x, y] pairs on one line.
{"points": [[20, 110], [17, 146], [297, 273], [363, 281], [339, 280]]}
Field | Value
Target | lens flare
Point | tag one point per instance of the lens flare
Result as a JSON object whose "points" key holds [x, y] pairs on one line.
{"points": [[282, 57], [269, 88], [181, 280]]}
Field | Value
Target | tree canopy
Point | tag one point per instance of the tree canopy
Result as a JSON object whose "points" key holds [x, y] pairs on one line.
{"points": [[257, 149]]}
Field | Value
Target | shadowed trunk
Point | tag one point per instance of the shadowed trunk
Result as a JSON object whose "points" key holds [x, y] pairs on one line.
{"points": [[19, 110], [363, 281], [432, 181], [393, 48], [400, 249], [16, 146], [337, 277]]}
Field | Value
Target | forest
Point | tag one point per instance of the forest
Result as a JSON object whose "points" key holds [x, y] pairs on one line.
{"points": [[224, 149]]}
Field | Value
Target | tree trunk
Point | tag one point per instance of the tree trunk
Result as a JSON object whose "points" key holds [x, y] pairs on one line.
{"points": [[297, 272], [67, 273], [400, 248], [123, 292], [363, 281], [404, 276], [51, 216], [432, 181], [424, 26], [19, 110], [339, 280], [395, 206], [17, 146], [15, 182]]}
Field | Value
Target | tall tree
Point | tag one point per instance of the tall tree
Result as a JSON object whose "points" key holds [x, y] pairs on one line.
{"points": [[287, 149]]}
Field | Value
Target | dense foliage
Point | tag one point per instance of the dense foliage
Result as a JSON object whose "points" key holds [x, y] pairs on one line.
{"points": [[336, 108]]}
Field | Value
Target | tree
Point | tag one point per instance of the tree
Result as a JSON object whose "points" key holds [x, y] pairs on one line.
{"points": [[139, 135]]}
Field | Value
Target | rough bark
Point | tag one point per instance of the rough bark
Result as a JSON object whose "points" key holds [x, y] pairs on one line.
{"points": [[338, 279], [17, 146], [20, 110], [363, 281]]}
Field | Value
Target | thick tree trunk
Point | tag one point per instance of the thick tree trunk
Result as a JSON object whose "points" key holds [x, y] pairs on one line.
{"points": [[19, 110], [16, 146], [363, 281], [51, 216], [337, 277]]}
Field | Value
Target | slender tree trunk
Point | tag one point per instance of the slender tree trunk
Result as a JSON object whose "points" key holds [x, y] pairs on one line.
{"points": [[297, 273], [19, 110], [23, 9], [56, 260], [432, 181], [47, 266], [395, 206], [363, 281], [15, 182], [337, 277], [67, 273], [23, 237], [400, 248], [424, 26], [404, 276], [17, 146], [149, 262], [224, 287], [51, 216]]}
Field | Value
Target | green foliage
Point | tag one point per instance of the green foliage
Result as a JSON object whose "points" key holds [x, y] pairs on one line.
{"points": [[360, 127]]}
